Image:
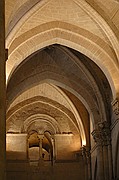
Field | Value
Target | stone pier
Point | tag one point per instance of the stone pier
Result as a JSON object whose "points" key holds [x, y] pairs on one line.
{"points": [[2, 92]]}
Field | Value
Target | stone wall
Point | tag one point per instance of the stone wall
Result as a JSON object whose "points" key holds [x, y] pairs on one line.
{"points": [[66, 165], [16, 146], [67, 170], [66, 145]]}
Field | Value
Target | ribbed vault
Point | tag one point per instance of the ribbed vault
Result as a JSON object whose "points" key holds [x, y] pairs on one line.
{"points": [[31, 26], [31, 92], [62, 89]]}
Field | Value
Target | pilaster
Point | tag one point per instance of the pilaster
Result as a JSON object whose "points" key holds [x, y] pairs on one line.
{"points": [[2, 93]]}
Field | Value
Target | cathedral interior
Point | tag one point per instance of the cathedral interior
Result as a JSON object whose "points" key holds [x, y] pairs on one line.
{"points": [[59, 90]]}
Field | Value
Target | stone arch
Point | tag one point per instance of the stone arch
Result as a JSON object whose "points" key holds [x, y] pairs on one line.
{"points": [[57, 82], [21, 10], [49, 136], [91, 78], [21, 15], [33, 115], [52, 123], [71, 106], [58, 34], [57, 77], [99, 19]]}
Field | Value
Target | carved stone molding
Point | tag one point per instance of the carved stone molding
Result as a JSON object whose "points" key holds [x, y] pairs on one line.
{"points": [[86, 154], [115, 107], [115, 113], [97, 137], [56, 116], [102, 135]]}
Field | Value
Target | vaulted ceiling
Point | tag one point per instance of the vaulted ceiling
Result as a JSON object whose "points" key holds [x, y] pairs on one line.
{"points": [[62, 66]]}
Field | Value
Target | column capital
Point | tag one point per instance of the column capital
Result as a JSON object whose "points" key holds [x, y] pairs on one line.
{"points": [[97, 136], [102, 135], [85, 153], [40, 136]]}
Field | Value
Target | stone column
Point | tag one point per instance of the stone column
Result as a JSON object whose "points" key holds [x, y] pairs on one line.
{"points": [[40, 148], [107, 153], [110, 162], [85, 162], [40, 137], [98, 139], [102, 137], [2, 92], [106, 162], [88, 157]]}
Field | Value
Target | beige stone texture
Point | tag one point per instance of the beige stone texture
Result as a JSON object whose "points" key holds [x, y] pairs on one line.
{"points": [[16, 146], [67, 146], [61, 102]]}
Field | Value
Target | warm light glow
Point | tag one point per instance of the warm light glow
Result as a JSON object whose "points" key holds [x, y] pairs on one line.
{"points": [[6, 77], [83, 143]]}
